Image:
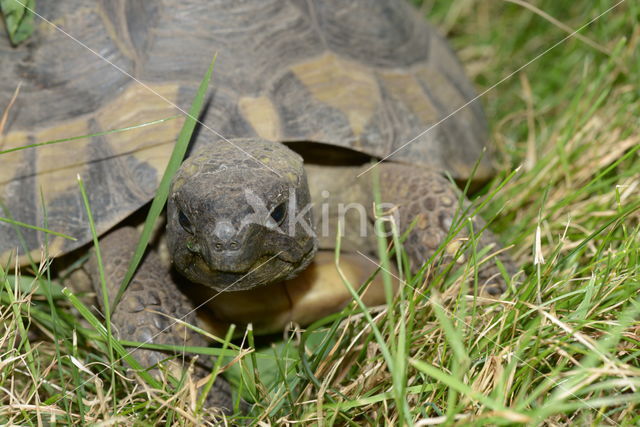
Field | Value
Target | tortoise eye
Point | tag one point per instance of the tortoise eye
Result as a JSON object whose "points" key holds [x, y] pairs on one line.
{"points": [[279, 212], [184, 221]]}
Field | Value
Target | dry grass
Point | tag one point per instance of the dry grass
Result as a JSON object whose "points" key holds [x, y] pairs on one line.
{"points": [[562, 349]]}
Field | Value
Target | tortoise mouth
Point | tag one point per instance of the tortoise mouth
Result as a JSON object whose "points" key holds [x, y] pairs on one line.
{"points": [[262, 272], [234, 280], [228, 277]]}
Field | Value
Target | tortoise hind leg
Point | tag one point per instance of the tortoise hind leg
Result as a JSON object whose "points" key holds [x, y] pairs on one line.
{"points": [[147, 307], [429, 198]]}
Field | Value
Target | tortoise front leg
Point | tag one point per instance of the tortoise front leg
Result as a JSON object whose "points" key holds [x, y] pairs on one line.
{"points": [[429, 198], [147, 307]]}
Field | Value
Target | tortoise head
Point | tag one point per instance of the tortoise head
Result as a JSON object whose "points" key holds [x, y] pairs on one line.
{"points": [[239, 215]]}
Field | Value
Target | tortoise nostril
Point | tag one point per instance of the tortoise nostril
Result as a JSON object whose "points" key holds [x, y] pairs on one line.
{"points": [[224, 230], [233, 245], [225, 237]]}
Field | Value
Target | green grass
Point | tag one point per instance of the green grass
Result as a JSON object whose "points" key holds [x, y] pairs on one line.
{"points": [[562, 348]]}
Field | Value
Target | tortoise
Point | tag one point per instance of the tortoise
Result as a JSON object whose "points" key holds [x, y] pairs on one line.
{"points": [[306, 94]]}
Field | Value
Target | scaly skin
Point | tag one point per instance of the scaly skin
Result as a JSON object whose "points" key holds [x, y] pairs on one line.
{"points": [[432, 201], [147, 308], [419, 194]]}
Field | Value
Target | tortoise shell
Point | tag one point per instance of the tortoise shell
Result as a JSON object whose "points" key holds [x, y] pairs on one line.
{"points": [[368, 75]]}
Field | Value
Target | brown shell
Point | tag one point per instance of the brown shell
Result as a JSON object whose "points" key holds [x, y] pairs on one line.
{"points": [[370, 75]]}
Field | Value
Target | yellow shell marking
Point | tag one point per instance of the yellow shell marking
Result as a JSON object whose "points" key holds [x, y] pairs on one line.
{"points": [[262, 115], [407, 89], [443, 90], [59, 164], [342, 84], [449, 96], [11, 140], [138, 105]]}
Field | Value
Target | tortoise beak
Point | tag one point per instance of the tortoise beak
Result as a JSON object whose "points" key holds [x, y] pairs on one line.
{"points": [[228, 250]]}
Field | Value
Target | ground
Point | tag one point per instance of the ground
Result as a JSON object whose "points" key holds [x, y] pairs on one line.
{"points": [[560, 348]]}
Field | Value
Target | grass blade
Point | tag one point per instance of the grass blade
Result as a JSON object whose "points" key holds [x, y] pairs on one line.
{"points": [[119, 349], [35, 227], [75, 138], [159, 201]]}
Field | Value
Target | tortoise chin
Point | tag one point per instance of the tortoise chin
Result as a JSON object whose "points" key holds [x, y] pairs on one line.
{"points": [[265, 271], [235, 272]]}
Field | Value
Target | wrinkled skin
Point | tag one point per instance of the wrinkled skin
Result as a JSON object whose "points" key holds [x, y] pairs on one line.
{"points": [[239, 216]]}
